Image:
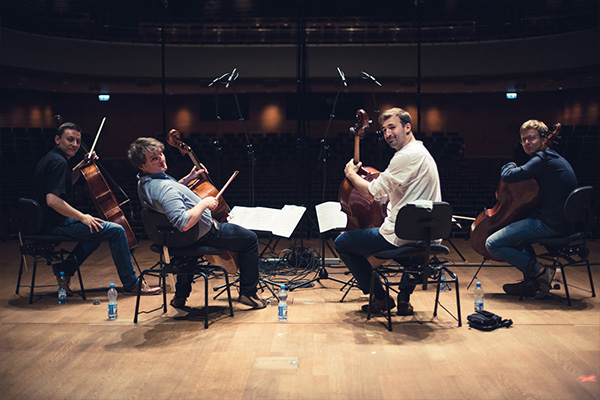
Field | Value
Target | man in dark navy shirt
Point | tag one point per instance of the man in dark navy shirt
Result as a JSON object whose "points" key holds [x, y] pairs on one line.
{"points": [[556, 181], [52, 185]]}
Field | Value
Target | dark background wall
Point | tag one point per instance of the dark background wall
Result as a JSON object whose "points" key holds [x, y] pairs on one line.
{"points": [[488, 122], [448, 62]]}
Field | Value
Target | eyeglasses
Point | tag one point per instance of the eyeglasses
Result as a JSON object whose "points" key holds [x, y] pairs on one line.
{"points": [[528, 139]]}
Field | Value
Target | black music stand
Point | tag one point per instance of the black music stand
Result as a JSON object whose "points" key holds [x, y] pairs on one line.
{"points": [[321, 271]]}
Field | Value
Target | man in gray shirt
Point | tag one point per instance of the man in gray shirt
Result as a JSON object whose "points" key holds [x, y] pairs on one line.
{"points": [[184, 209]]}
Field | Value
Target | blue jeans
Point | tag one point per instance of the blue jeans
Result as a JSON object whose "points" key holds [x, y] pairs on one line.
{"points": [[505, 242], [354, 247], [236, 239], [90, 241]]}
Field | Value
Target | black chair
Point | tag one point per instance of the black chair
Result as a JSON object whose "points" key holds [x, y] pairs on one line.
{"points": [[175, 249], [39, 246], [571, 250], [420, 259]]}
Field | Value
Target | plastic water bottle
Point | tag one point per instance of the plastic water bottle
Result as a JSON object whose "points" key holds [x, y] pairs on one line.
{"points": [[62, 288], [478, 297], [112, 302], [282, 295], [443, 284]]}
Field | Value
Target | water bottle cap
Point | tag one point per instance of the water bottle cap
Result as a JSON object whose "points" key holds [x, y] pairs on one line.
{"points": [[112, 286], [62, 273], [478, 284], [282, 287]]}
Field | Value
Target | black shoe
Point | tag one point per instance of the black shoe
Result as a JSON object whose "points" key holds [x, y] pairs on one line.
{"points": [[404, 308], [178, 302], [56, 270], [68, 281], [515, 289], [378, 306]]}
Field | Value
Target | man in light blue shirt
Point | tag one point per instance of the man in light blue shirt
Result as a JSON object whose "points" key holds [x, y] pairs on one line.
{"points": [[184, 209]]}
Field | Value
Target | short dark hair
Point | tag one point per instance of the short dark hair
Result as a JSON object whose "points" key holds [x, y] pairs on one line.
{"points": [[67, 125], [403, 115]]}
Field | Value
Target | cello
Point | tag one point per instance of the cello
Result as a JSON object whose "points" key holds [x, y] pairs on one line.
{"points": [[103, 198], [515, 201], [363, 212], [203, 187]]}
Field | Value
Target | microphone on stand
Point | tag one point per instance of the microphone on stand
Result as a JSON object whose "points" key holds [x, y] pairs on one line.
{"points": [[342, 76], [218, 79], [364, 75], [232, 77]]}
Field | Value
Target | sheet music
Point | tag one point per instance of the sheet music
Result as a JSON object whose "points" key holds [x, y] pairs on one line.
{"points": [[253, 218], [279, 222], [287, 220], [330, 216]]}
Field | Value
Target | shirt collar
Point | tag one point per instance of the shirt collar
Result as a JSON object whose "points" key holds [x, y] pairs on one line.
{"points": [[147, 177], [62, 153]]}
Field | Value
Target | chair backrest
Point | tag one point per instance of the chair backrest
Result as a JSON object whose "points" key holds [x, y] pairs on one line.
{"points": [[418, 223], [30, 216], [160, 231], [577, 207]]}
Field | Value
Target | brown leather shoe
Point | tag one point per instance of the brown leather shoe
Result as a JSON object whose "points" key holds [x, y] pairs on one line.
{"points": [[378, 306], [146, 290]]}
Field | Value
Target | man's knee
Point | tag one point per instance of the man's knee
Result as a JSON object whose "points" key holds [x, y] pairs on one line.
{"points": [[115, 229], [340, 242], [490, 244]]}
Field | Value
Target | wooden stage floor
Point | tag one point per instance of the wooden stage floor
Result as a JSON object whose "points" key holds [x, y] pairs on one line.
{"points": [[327, 349]]}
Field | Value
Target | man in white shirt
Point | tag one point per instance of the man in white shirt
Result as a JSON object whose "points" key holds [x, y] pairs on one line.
{"points": [[410, 176]]}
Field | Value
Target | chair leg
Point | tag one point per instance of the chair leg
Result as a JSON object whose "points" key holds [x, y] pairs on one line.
{"points": [[205, 301], [452, 278], [375, 274], [81, 283], [437, 294], [562, 270], [387, 302], [162, 281], [33, 271], [458, 301], [20, 273], [587, 261]]}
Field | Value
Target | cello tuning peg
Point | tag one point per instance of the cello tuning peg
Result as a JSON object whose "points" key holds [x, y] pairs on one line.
{"points": [[352, 130]]}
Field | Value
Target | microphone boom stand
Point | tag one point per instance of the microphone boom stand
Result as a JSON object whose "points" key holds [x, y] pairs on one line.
{"points": [[216, 143], [249, 147], [322, 271]]}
